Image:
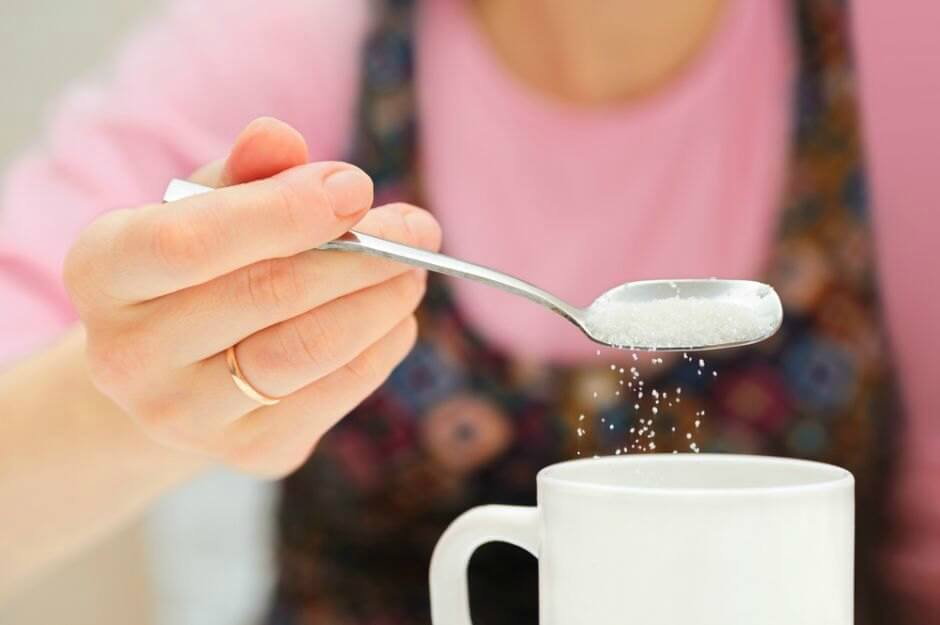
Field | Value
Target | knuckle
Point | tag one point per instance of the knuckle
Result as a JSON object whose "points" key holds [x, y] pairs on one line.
{"points": [[416, 225], [407, 289], [407, 229], [367, 368], [176, 246], [272, 284], [388, 222], [373, 366], [290, 208], [81, 269], [303, 343], [317, 336]]}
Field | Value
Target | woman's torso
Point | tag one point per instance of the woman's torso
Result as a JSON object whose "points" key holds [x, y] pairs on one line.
{"points": [[465, 420]]}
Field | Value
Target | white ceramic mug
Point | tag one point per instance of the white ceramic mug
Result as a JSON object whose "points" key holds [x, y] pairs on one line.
{"points": [[671, 540]]}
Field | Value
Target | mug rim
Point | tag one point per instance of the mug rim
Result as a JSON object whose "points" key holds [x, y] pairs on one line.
{"points": [[840, 478]]}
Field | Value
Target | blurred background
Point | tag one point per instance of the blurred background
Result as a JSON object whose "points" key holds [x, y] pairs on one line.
{"points": [[86, 35], [187, 562]]}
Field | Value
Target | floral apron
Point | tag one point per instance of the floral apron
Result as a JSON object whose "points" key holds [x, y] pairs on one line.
{"points": [[461, 424]]}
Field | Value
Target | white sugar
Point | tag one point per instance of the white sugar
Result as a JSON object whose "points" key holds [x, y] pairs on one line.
{"points": [[679, 322]]}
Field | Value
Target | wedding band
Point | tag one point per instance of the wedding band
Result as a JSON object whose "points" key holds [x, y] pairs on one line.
{"points": [[244, 385]]}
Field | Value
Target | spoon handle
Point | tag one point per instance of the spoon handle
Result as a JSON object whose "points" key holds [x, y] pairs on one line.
{"points": [[354, 241], [361, 243]]}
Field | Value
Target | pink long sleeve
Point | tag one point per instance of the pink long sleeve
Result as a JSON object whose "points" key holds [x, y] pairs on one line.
{"points": [[183, 89], [898, 51]]}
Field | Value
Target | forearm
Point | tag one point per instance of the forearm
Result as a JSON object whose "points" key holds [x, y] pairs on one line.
{"points": [[73, 466]]}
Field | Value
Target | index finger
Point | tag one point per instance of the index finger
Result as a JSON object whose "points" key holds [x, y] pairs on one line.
{"points": [[161, 249]]}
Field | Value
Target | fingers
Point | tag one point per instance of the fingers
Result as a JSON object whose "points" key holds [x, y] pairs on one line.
{"points": [[286, 357], [276, 440], [140, 254], [164, 290], [208, 318], [265, 147]]}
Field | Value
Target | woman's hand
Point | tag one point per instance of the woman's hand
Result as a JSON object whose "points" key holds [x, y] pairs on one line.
{"points": [[163, 290]]}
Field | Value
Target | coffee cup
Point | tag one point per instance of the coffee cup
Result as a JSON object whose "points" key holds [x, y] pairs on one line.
{"points": [[671, 539]]}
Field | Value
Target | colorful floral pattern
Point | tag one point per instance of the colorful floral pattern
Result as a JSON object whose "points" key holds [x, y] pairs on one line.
{"points": [[461, 424]]}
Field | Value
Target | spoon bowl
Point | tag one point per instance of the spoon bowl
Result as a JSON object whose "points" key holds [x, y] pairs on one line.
{"points": [[649, 315], [683, 315]]}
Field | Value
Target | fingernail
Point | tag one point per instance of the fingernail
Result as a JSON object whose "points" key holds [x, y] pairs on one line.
{"points": [[350, 191]]}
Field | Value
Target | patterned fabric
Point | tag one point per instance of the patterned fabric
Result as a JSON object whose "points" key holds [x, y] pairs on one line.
{"points": [[460, 424]]}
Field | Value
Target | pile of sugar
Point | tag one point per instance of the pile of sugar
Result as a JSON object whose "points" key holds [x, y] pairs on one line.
{"points": [[677, 322]]}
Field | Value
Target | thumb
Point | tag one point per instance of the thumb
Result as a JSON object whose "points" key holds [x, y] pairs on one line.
{"points": [[265, 147]]}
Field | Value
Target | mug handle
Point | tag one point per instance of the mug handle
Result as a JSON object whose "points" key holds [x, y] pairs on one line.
{"points": [[516, 525]]}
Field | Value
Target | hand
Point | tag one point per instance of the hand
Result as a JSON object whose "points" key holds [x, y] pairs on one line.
{"points": [[163, 290]]}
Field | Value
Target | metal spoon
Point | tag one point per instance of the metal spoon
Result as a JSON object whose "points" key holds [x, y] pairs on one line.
{"points": [[758, 298]]}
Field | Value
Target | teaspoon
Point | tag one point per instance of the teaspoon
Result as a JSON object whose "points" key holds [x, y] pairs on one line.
{"points": [[648, 315]]}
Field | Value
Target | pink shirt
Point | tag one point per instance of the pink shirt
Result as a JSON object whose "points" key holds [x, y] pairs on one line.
{"points": [[187, 84], [683, 183]]}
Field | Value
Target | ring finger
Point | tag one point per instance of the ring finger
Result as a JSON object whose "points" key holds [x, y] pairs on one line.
{"points": [[285, 357], [277, 439]]}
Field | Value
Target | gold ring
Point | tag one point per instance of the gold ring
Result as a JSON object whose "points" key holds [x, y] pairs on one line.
{"points": [[244, 385]]}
